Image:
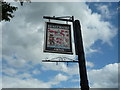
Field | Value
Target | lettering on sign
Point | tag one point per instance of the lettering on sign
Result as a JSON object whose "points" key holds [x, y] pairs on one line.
{"points": [[58, 38]]}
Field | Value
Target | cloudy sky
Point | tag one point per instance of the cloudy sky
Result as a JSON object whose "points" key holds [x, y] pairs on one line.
{"points": [[23, 40]]}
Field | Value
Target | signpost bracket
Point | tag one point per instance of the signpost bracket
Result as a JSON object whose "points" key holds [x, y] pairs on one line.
{"points": [[62, 18], [61, 59]]}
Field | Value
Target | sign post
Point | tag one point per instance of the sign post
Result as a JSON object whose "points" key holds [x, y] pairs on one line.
{"points": [[81, 57], [51, 46]]}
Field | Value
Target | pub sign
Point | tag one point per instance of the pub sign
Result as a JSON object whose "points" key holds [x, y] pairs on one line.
{"points": [[58, 38]]}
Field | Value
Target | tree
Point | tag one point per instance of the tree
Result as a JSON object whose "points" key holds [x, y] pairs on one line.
{"points": [[6, 12]]}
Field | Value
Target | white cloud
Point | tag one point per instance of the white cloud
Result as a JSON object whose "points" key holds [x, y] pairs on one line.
{"points": [[17, 63], [71, 69], [36, 71], [0, 81], [89, 64], [61, 77], [104, 77], [20, 82], [58, 78], [23, 37], [9, 71], [104, 10], [23, 75], [0, 40], [61, 67], [95, 30]]}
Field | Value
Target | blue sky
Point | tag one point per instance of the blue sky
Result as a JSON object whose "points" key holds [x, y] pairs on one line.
{"points": [[110, 52], [23, 38]]}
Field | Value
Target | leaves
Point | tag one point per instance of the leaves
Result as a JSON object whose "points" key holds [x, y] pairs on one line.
{"points": [[7, 11]]}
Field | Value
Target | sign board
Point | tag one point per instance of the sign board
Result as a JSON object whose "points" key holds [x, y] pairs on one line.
{"points": [[58, 38]]}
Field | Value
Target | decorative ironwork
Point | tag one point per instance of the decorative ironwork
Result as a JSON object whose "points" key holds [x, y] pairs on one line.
{"points": [[60, 59]]}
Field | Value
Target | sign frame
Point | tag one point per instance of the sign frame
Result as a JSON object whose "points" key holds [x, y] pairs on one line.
{"points": [[56, 49]]}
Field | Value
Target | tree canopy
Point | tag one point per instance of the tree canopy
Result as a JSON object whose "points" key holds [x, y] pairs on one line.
{"points": [[6, 10]]}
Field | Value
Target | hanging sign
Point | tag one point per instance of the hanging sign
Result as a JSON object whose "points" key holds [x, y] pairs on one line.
{"points": [[58, 38]]}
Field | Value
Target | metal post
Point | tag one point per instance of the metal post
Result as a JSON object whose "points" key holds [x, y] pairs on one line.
{"points": [[80, 52]]}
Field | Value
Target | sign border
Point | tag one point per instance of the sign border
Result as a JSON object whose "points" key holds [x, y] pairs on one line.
{"points": [[45, 39]]}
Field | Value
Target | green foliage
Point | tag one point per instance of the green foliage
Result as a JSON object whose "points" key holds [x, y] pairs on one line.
{"points": [[7, 11]]}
